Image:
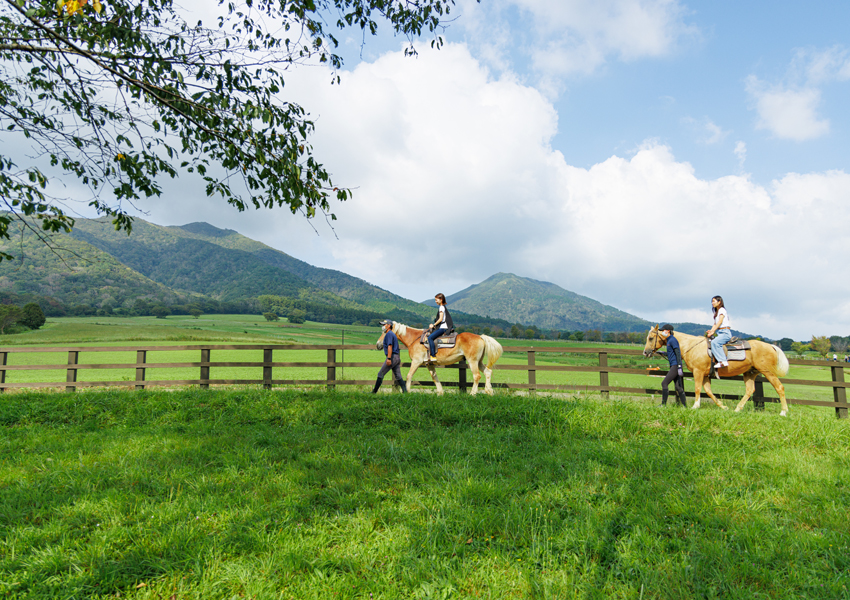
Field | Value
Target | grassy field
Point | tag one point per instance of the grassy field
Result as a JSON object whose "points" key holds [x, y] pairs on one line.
{"points": [[252, 329], [288, 494]]}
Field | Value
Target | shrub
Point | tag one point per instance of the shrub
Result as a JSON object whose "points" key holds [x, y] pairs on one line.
{"points": [[32, 316]]}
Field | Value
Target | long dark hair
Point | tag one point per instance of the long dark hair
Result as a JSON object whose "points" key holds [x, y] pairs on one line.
{"points": [[441, 297], [720, 300]]}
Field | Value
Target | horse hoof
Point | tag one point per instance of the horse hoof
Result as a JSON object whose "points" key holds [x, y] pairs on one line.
{"points": [[738, 409], [783, 414], [724, 407], [695, 406]]}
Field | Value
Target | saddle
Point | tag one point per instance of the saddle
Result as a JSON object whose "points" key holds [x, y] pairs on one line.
{"points": [[736, 349], [444, 341]]}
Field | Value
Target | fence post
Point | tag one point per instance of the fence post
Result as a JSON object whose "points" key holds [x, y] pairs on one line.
{"points": [[71, 376], [205, 370], [839, 394], [758, 395], [603, 375], [461, 376], [532, 372], [331, 376], [141, 358], [2, 372], [267, 368]]}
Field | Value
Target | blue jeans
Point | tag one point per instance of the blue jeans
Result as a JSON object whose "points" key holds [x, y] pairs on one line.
{"points": [[723, 336], [434, 335]]}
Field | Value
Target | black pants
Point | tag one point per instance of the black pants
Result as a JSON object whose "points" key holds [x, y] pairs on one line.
{"points": [[395, 366], [678, 384]]}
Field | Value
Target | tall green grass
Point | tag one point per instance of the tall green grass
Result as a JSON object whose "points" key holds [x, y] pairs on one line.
{"points": [[309, 494]]}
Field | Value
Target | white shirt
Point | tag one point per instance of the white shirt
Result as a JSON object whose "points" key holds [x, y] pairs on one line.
{"points": [[443, 324], [726, 322]]}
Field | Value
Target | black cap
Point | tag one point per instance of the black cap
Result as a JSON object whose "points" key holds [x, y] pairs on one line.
{"points": [[386, 322], [667, 327]]}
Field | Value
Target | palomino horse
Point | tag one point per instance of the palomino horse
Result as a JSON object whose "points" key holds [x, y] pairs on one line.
{"points": [[767, 359], [475, 348]]}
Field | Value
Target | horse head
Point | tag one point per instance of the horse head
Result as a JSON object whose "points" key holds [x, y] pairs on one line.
{"points": [[380, 343], [653, 342]]}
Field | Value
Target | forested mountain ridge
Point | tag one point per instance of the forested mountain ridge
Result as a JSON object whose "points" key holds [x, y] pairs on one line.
{"points": [[336, 282], [523, 300], [74, 271]]}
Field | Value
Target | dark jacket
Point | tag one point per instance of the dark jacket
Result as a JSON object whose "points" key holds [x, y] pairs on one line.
{"points": [[674, 352]]}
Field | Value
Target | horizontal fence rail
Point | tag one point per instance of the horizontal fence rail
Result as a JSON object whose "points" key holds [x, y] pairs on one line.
{"points": [[263, 370]]}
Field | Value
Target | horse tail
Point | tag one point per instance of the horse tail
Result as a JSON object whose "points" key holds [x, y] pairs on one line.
{"points": [[782, 366], [492, 351]]}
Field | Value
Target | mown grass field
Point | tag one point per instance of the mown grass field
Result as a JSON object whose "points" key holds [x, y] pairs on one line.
{"points": [[245, 493], [252, 329]]}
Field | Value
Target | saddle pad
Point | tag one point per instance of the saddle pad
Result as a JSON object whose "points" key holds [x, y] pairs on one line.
{"points": [[735, 353], [444, 341]]}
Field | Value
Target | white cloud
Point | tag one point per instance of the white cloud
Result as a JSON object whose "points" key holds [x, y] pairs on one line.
{"points": [[787, 113], [789, 108], [740, 153], [566, 37], [708, 132], [456, 180]]}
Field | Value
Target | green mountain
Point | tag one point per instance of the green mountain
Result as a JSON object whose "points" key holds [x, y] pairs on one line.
{"points": [[523, 300], [73, 271]]}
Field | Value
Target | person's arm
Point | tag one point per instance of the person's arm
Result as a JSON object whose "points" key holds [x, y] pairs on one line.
{"points": [[678, 351], [716, 326]]}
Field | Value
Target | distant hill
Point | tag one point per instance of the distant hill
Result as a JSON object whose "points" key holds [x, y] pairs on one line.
{"points": [[523, 300], [74, 272]]}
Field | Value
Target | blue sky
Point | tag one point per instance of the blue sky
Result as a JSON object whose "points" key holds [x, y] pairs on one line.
{"points": [[646, 153]]}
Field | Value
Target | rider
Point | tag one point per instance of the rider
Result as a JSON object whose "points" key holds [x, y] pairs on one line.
{"points": [[723, 328], [675, 374], [442, 325], [393, 361]]}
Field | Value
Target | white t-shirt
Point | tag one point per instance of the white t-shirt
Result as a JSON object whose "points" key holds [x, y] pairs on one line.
{"points": [[726, 322], [443, 324]]}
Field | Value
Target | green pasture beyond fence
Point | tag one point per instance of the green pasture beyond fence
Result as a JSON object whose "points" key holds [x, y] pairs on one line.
{"points": [[529, 368]]}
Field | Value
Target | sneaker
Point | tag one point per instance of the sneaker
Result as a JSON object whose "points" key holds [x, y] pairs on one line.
{"points": [[718, 365], [432, 359]]}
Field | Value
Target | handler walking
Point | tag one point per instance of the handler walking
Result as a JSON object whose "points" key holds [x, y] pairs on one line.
{"points": [[675, 374], [393, 360]]}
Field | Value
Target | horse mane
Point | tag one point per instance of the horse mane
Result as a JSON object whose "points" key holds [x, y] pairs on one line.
{"points": [[400, 329]]}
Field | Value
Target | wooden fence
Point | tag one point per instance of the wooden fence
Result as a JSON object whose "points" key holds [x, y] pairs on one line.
{"points": [[207, 354]]}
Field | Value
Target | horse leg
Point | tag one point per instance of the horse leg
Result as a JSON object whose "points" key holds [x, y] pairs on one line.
{"points": [[749, 389], [414, 365], [437, 384], [475, 367], [780, 389], [488, 388], [697, 388], [714, 398]]}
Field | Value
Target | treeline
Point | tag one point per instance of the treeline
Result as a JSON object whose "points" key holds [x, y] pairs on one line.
{"points": [[519, 331], [139, 307]]}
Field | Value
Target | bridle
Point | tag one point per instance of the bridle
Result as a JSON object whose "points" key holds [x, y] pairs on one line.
{"points": [[656, 345]]}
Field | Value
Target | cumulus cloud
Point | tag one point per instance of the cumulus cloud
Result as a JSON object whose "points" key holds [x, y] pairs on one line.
{"points": [[789, 108], [787, 113], [455, 179], [740, 153], [566, 37], [708, 132]]}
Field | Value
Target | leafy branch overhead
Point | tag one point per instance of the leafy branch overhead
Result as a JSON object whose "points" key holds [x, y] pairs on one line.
{"points": [[115, 94]]}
